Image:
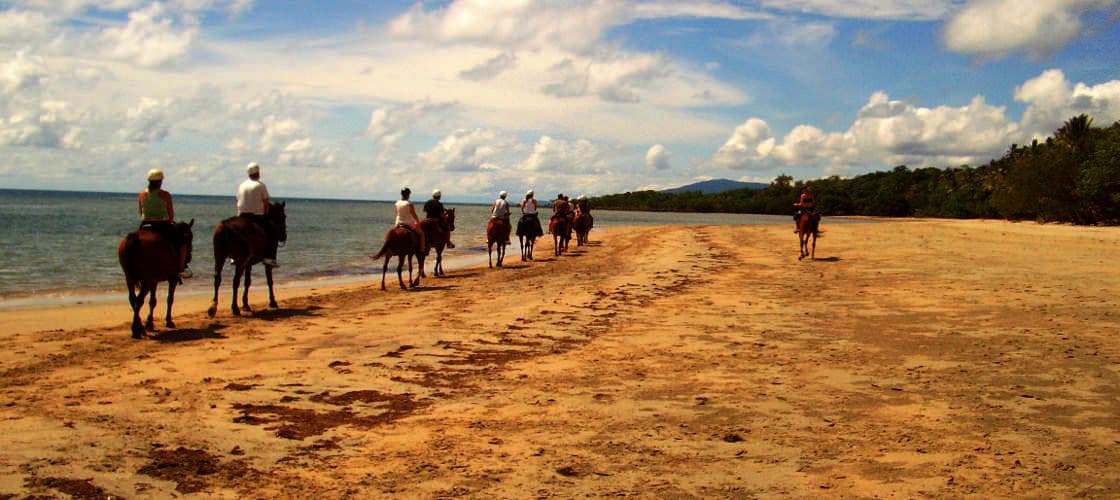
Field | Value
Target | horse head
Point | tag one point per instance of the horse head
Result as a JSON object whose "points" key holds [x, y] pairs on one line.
{"points": [[279, 220], [186, 235], [449, 217]]}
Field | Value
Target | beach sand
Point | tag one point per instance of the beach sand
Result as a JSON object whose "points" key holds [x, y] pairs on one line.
{"points": [[911, 358]]}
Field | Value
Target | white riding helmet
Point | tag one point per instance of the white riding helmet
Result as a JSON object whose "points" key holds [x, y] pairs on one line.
{"points": [[437, 193], [503, 194], [529, 193], [253, 169], [582, 197], [155, 174]]}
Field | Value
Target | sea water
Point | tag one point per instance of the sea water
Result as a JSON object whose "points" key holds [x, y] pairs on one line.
{"points": [[60, 243]]}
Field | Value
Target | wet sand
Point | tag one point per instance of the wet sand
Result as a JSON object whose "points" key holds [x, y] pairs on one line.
{"points": [[911, 358]]}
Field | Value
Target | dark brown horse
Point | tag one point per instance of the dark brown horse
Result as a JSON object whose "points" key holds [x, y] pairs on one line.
{"points": [[582, 227], [561, 230], [404, 243], [528, 230], [497, 233], [146, 258], [245, 243], [808, 226], [435, 237]]}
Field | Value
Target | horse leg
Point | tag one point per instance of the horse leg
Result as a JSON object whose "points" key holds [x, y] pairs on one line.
{"points": [[489, 255], [171, 284], [245, 291], [501, 254], [271, 296], [236, 286], [438, 268], [217, 284], [400, 266], [385, 269], [813, 252], [137, 302], [151, 294], [532, 243]]}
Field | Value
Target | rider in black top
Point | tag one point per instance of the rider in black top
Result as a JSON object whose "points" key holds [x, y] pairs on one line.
{"points": [[434, 209]]}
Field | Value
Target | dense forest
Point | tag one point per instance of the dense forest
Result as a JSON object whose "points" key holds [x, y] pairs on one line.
{"points": [[1072, 177]]}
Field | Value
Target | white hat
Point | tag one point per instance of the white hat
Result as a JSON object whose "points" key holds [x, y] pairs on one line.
{"points": [[436, 193], [528, 193], [503, 194], [155, 174], [253, 169], [582, 197]]}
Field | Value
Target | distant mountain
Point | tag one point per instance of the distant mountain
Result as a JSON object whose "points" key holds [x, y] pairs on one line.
{"points": [[715, 186]]}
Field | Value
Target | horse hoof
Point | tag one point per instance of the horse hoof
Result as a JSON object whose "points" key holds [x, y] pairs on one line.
{"points": [[273, 305], [169, 324], [211, 312], [137, 336]]}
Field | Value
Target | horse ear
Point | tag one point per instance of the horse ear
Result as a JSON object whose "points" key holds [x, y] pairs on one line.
{"points": [[191, 224], [283, 203]]}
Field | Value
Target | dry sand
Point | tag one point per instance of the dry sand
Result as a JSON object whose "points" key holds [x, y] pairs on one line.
{"points": [[912, 358]]}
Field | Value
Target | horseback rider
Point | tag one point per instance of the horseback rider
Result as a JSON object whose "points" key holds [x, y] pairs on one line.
{"points": [[252, 205], [582, 207], [158, 214], [406, 216], [529, 212], [434, 209], [803, 206], [500, 210]]}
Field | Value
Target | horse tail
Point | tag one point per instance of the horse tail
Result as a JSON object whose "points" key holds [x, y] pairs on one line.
{"points": [[384, 249]]}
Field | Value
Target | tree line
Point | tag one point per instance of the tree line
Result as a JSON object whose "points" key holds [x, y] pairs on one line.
{"points": [[1072, 177]]}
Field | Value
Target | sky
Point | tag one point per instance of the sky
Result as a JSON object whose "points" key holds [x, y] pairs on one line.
{"points": [[356, 99]]}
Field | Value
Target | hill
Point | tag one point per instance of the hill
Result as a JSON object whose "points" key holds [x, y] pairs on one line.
{"points": [[714, 186]]}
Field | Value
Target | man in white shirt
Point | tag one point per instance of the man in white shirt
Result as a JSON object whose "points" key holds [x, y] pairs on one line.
{"points": [[252, 204]]}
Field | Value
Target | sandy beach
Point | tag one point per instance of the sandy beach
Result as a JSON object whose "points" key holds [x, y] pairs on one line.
{"points": [[911, 358]]}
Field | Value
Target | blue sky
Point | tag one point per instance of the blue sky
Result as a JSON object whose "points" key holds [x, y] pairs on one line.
{"points": [[349, 99]]}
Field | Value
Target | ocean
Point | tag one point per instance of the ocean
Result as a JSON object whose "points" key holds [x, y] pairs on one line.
{"points": [[61, 244]]}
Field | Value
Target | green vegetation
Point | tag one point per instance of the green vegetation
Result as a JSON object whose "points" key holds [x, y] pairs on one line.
{"points": [[1072, 177]]}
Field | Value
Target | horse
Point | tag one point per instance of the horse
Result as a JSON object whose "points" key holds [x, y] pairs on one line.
{"points": [[402, 242], [435, 237], [561, 231], [245, 243], [808, 226], [497, 232], [147, 259], [528, 229], [582, 227]]}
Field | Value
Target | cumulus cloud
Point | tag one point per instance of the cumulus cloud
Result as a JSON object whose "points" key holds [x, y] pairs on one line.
{"points": [[466, 150], [150, 38], [886, 132], [620, 78], [23, 25], [490, 68], [50, 125], [657, 158], [389, 124], [148, 121], [1052, 99], [23, 73], [575, 157], [992, 29]]}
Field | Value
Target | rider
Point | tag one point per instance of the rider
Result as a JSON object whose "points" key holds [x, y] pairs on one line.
{"points": [[582, 207], [252, 205], [500, 210], [804, 205], [406, 215], [529, 211], [158, 213], [434, 209], [560, 209]]}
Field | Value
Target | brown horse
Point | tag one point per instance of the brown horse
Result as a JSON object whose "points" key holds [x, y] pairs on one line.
{"points": [[402, 242], [582, 227], [435, 237], [147, 258], [561, 230], [808, 226], [528, 230], [497, 233], [245, 243]]}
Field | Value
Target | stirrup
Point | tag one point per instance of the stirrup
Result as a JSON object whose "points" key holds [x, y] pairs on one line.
{"points": [[186, 273], [270, 262]]}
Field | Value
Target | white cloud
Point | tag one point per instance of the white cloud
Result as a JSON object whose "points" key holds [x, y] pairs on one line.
{"points": [[150, 39], [490, 68], [389, 124], [657, 158], [48, 126], [885, 133], [576, 157], [533, 24], [148, 121], [23, 25], [907, 10], [23, 73], [1051, 100], [467, 150], [992, 29]]}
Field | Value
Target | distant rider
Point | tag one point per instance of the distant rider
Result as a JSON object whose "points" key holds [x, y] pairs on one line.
{"points": [[406, 216], [529, 211], [803, 206], [434, 209], [158, 214], [582, 207], [500, 210], [252, 205]]}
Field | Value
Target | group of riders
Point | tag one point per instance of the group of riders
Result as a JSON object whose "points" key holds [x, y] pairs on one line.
{"points": [[157, 213]]}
